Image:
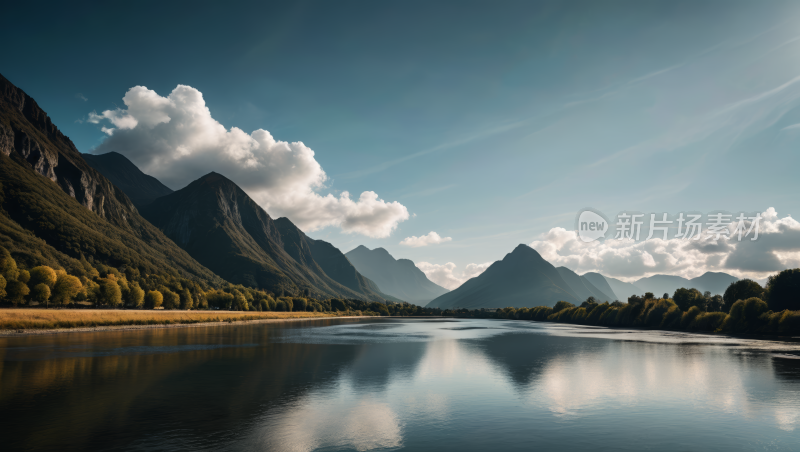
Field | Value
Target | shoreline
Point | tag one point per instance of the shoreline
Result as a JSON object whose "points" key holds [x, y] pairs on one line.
{"points": [[104, 328]]}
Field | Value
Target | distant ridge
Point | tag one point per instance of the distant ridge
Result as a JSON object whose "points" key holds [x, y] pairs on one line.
{"points": [[582, 287], [522, 279], [397, 277], [140, 188], [622, 289], [714, 282]]}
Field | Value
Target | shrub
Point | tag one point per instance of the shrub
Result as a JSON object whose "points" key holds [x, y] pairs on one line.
{"points": [[783, 290], [745, 316], [672, 318], [741, 290], [707, 321], [562, 305], [689, 316], [43, 275], [153, 299]]}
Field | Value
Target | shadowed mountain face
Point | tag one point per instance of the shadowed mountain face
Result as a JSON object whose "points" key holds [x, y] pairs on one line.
{"points": [[397, 277], [713, 282], [55, 208], [621, 289], [140, 188], [522, 279], [319, 254], [582, 287], [221, 226]]}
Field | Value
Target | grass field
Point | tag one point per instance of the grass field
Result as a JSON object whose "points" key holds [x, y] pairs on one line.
{"points": [[40, 319]]}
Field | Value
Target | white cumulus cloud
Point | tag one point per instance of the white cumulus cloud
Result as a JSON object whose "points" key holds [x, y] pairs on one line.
{"points": [[777, 248], [430, 238], [176, 139], [447, 276]]}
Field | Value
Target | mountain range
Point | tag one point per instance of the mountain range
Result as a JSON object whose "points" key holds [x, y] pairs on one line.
{"points": [[396, 277], [61, 208]]}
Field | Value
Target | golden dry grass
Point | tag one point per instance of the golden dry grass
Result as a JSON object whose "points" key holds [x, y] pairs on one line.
{"points": [[38, 319]]}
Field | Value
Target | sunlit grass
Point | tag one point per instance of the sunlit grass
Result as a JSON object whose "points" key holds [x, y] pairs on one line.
{"points": [[40, 319]]}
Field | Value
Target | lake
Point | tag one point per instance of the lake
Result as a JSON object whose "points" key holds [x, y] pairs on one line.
{"points": [[386, 384]]}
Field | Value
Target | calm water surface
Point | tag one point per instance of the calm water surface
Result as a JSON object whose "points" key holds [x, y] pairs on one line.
{"points": [[398, 384]]}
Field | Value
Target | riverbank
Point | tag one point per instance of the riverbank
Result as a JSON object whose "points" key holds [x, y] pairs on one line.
{"points": [[25, 321]]}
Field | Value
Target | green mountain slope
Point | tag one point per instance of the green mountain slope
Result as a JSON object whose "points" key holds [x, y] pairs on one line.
{"points": [[56, 208]]}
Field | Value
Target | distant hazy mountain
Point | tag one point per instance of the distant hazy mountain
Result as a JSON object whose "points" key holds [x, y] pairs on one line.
{"points": [[522, 279], [224, 229], [598, 281], [320, 254], [396, 277], [622, 289], [140, 188], [583, 287], [716, 283]]}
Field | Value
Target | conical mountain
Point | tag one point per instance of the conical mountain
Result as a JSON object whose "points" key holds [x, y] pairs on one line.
{"points": [[140, 188], [217, 223], [397, 277], [522, 279], [55, 208]]}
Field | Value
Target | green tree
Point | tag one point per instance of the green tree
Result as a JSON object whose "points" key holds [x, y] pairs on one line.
{"points": [[239, 301], [43, 275], [24, 276], [783, 291], [8, 266], [109, 292], [686, 298], [135, 296], [187, 302], [65, 289], [299, 304], [562, 305], [741, 290], [153, 299], [17, 291], [171, 299], [2, 286], [40, 293]]}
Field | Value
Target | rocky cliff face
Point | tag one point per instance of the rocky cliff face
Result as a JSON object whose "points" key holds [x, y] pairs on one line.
{"points": [[28, 134]]}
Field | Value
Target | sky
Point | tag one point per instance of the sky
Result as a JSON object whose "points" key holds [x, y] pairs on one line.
{"points": [[446, 132]]}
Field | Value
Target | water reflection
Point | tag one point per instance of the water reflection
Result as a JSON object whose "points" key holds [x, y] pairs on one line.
{"points": [[387, 384]]}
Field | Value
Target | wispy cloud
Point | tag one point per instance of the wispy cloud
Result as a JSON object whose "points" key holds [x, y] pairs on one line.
{"points": [[81, 97]]}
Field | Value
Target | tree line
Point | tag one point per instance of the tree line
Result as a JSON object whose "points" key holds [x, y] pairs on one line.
{"points": [[744, 308], [94, 284]]}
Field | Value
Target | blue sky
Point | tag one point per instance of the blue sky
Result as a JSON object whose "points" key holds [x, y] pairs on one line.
{"points": [[492, 123]]}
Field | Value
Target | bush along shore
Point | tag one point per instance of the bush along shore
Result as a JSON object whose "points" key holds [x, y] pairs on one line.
{"points": [[745, 308]]}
